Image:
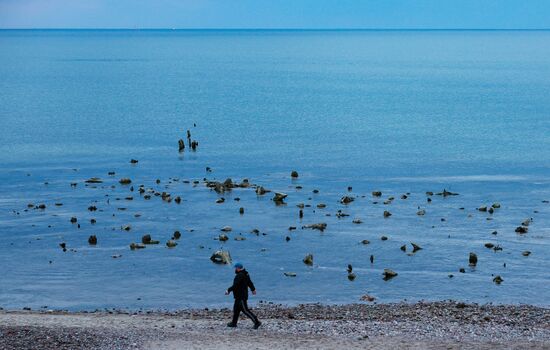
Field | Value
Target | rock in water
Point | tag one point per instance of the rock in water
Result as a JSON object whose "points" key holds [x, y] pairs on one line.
{"points": [[290, 274], [367, 297], [526, 253], [94, 180], [387, 214], [521, 229], [421, 212], [171, 244], [181, 145], [134, 246], [279, 197], [377, 194], [223, 237], [346, 200], [498, 279], [125, 181], [308, 260], [416, 247], [320, 226], [472, 259], [92, 240], [146, 239], [226, 229], [294, 174], [351, 276], [389, 274], [221, 257]]}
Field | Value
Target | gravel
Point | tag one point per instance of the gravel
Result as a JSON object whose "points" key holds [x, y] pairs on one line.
{"points": [[421, 325]]}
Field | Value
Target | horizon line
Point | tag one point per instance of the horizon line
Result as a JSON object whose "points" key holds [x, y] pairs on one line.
{"points": [[275, 29]]}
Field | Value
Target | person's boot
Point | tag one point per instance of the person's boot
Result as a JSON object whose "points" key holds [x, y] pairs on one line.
{"points": [[257, 325], [231, 325]]}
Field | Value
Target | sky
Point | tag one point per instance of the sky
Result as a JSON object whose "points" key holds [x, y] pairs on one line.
{"points": [[312, 14]]}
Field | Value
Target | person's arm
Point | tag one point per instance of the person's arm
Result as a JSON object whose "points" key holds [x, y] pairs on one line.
{"points": [[251, 286]]}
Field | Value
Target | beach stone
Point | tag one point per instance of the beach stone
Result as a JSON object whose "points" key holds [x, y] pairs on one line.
{"points": [[421, 212], [491, 210], [171, 244], [484, 208], [240, 238], [368, 298], [498, 279], [320, 226], [387, 214], [376, 193], [223, 237], [526, 253], [365, 241], [294, 174], [308, 260], [221, 257], [496, 205], [176, 235], [357, 221], [73, 220], [134, 246], [220, 200], [472, 260], [92, 240], [389, 274], [462, 270], [384, 238], [125, 181]]}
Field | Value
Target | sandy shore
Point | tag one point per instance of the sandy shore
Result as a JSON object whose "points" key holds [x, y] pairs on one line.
{"points": [[446, 325]]}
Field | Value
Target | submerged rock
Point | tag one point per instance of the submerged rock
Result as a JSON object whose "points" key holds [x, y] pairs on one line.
{"points": [[171, 244], [308, 260], [376, 193], [446, 193], [346, 200], [125, 181], [181, 145], [223, 237], [279, 197], [526, 253], [290, 274], [176, 235], [260, 190], [294, 174], [472, 260], [351, 276], [365, 241], [389, 274], [221, 257], [416, 247], [368, 298], [521, 229], [134, 246], [92, 240], [320, 226], [146, 239], [498, 279], [226, 229], [421, 212], [94, 180], [387, 214]]}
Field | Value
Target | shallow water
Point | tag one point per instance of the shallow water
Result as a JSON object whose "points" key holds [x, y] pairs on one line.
{"points": [[391, 111]]}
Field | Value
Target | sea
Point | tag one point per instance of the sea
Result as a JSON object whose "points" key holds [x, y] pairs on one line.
{"points": [[400, 112]]}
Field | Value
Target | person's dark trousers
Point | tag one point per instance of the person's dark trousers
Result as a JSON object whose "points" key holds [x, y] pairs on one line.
{"points": [[242, 305]]}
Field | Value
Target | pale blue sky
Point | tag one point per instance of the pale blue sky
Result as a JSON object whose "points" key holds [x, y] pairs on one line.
{"points": [[423, 14]]}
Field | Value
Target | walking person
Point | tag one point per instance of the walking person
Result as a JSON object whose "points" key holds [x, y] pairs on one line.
{"points": [[240, 286]]}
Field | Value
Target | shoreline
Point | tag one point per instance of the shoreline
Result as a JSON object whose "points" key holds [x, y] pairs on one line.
{"points": [[417, 325]]}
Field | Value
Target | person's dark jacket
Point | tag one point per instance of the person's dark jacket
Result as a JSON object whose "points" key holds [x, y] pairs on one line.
{"points": [[240, 286]]}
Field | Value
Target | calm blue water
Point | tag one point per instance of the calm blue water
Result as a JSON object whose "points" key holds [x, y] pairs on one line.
{"points": [[392, 111]]}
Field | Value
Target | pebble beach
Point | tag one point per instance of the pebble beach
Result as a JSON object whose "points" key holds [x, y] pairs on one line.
{"points": [[437, 325]]}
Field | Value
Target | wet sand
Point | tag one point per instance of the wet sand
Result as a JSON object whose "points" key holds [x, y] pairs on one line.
{"points": [[435, 325]]}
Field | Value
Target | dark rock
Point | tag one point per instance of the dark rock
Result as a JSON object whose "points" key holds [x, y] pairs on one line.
{"points": [[421, 212], [73, 220], [223, 237], [320, 226], [294, 174], [346, 200], [521, 229], [92, 240], [489, 245], [241, 210], [92, 208], [177, 199], [404, 247], [290, 274], [365, 241], [389, 274], [384, 238], [94, 180], [472, 260], [171, 244], [146, 239], [416, 247], [176, 235], [279, 197], [125, 181], [308, 260], [387, 214], [498, 279], [181, 145], [446, 193], [526, 253], [377, 194], [134, 246]]}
